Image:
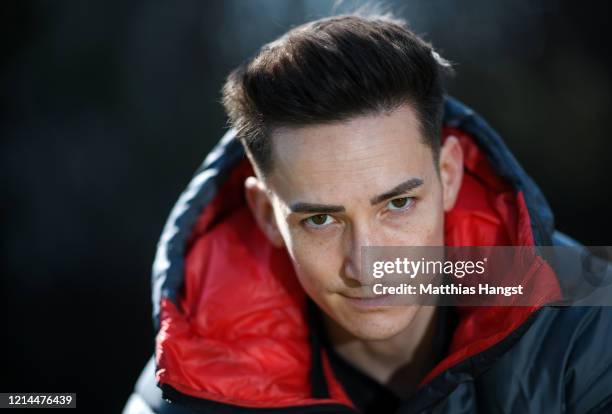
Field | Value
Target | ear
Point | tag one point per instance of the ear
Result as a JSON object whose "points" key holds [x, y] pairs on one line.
{"points": [[261, 206], [450, 165]]}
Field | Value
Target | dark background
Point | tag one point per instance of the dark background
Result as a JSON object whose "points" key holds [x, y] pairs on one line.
{"points": [[107, 108]]}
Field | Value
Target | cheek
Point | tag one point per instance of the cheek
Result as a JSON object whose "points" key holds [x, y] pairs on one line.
{"points": [[423, 227], [435, 228], [317, 264], [433, 219]]}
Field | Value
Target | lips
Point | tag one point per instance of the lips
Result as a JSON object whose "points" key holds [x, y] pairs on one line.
{"points": [[363, 297], [366, 300], [366, 292]]}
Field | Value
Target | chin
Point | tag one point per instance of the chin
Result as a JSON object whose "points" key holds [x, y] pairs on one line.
{"points": [[378, 325]]}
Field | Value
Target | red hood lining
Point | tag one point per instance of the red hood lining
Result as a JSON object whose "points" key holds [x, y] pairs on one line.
{"points": [[239, 335]]}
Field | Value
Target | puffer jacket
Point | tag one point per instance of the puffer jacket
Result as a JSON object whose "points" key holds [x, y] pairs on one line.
{"points": [[234, 333]]}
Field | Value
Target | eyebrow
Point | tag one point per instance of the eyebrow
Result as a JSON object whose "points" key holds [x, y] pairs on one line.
{"points": [[404, 187], [315, 208], [301, 207]]}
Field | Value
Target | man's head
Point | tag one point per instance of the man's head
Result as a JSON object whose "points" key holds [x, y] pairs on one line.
{"points": [[341, 120]]}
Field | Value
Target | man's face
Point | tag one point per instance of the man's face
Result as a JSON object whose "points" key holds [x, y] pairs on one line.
{"points": [[334, 188]]}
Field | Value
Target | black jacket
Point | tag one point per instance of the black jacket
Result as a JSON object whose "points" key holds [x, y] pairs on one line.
{"points": [[235, 333]]}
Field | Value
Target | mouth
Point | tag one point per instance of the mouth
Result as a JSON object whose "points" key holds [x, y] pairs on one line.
{"points": [[366, 299]]}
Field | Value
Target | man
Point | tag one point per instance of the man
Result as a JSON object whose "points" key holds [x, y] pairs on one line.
{"points": [[342, 138]]}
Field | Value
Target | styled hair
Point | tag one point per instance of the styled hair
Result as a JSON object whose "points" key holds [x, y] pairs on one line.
{"points": [[331, 70]]}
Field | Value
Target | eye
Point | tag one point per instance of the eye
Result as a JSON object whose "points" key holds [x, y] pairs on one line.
{"points": [[319, 220], [402, 203]]}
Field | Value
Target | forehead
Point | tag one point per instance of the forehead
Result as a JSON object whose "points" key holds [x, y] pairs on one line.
{"points": [[369, 153]]}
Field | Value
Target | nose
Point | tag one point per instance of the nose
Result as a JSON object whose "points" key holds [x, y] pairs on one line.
{"points": [[358, 237]]}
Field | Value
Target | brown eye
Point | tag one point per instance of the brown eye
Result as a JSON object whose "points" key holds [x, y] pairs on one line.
{"points": [[400, 203], [318, 220]]}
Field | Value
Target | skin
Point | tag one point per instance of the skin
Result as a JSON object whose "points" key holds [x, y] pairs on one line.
{"points": [[336, 187]]}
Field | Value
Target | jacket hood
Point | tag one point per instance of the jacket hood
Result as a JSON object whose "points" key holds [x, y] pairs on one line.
{"points": [[232, 320]]}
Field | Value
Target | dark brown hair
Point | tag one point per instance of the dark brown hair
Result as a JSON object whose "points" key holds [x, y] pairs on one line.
{"points": [[331, 70]]}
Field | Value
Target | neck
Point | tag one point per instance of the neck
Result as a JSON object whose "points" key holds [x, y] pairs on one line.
{"points": [[399, 362]]}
